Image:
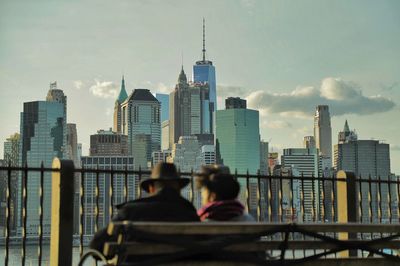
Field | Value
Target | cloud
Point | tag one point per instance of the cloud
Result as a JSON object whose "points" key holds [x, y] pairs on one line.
{"points": [[278, 124], [395, 147], [104, 89], [159, 87], [78, 84], [341, 96]]}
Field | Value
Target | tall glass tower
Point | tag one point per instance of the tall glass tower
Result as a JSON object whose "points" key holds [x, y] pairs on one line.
{"points": [[42, 138], [204, 71]]}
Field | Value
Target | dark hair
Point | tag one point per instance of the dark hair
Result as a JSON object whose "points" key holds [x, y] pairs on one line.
{"points": [[224, 186]]}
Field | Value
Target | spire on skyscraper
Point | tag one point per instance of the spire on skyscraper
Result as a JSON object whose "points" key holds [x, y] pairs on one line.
{"points": [[346, 127], [204, 39], [122, 94], [182, 76]]}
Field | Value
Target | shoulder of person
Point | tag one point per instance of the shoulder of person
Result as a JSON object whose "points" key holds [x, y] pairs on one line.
{"points": [[245, 217]]}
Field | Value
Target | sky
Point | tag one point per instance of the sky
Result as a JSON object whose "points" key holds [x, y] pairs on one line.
{"points": [[284, 57]]}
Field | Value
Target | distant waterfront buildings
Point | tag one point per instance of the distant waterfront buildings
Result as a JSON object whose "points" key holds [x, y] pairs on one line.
{"points": [[117, 107], [309, 142], [141, 123], [108, 143], [208, 154], [43, 137], [160, 156]]}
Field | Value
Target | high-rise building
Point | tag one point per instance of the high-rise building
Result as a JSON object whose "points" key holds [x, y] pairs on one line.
{"points": [[367, 158], [208, 154], [72, 144], [164, 100], [117, 107], [141, 116], [160, 156], [264, 171], [347, 135], [165, 135], [106, 204], [323, 133], [204, 71], [43, 136], [264, 158], [235, 103], [11, 157], [108, 143], [306, 161], [3, 198], [238, 139], [187, 157], [309, 142], [190, 111], [238, 147], [273, 160]]}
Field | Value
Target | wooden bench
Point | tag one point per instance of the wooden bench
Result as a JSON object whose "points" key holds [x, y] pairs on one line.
{"points": [[151, 243]]}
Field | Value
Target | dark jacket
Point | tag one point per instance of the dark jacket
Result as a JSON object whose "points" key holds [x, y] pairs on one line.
{"points": [[166, 206]]}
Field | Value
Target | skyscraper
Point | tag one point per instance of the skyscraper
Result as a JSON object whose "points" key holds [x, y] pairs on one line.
{"points": [[189, 109], [11, 157], [238, 139], [108, 143], [117, 107], [309, 142], [106, 205], [306, 161], [367, 158], [43, 136], [238, 147], [204, 71], [323, 133], [164, 101], [141, 116]]}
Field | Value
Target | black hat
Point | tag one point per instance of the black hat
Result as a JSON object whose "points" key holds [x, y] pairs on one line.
{"points": [[165, 173]]}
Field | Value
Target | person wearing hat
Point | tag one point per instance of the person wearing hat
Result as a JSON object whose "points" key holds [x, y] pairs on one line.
{"points": [[219, 192], [165, 204]]}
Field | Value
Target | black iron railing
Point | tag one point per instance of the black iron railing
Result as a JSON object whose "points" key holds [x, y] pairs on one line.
{"points": [[284, 199]]}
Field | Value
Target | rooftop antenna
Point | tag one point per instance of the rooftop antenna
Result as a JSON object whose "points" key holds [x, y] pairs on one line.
{"points": [[204, 40]]}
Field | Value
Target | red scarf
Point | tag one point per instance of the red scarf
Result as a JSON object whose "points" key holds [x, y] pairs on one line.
{"points": [[224, 210]]}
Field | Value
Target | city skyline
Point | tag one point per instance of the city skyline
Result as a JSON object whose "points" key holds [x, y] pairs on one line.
{"points": [[284, 88]]}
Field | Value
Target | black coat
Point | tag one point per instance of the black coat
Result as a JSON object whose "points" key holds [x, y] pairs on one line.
{"points": [[166, 206]]}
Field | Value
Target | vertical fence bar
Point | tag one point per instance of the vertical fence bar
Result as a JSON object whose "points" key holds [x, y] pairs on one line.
{"points": [[303, 210], [62, 210], [313, 200], [191, 186], [389, 199], [361, 211], [259, 209], [40, 214], [321, 200], [96, 197], [247, 191], [8, 209], [380, 211], [126, 190], [333, 196], [81, 211], [139, 179], [280, 199], [269, 199], [111, 195], [324, 202], [370, 212], [24, 212]]}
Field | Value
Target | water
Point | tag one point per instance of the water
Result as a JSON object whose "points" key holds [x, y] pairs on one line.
{"points": [[32, 257]]}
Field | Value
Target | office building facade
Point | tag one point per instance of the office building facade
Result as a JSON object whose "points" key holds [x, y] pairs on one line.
{"points": [[107, 143], [323, 133], [117, 107]]}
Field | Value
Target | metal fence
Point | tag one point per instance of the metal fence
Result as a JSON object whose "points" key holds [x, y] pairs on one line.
{"points": [[286, 199]]}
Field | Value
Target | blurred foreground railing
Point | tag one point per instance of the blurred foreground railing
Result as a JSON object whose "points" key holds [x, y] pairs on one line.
{"points": [[83, 200]]}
